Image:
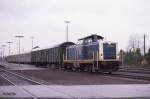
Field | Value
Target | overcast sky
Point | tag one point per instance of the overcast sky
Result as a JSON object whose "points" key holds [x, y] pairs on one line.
{"points": [[44, 19]]}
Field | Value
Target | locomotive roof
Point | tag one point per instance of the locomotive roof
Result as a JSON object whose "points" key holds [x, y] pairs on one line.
{"points": [[92, 36]]}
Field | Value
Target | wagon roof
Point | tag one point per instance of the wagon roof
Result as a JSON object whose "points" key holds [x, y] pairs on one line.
{"points": [[58, 45], [92, 36], [23, 53]]}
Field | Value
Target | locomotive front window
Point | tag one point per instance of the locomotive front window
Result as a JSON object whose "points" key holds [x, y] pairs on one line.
{"points": [[109, 50]]}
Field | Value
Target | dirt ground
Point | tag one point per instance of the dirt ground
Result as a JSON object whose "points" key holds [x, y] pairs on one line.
{"points": [[58, 77]]}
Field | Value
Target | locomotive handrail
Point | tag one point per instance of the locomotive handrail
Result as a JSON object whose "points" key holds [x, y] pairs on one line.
{"points": [[93, 68], [97, 60]]}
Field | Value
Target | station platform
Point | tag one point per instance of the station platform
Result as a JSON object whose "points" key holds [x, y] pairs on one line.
{"points": [[132, 91], [12, 66]]}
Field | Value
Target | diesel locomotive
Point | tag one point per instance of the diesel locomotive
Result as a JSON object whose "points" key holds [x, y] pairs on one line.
{"points": [[91, 53]]}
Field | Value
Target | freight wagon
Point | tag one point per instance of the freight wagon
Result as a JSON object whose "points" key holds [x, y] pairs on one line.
{"points": [[42, 56], [50, 56], [24, 58]]}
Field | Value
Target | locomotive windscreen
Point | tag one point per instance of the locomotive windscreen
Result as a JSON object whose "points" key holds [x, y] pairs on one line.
{"points": [[109, 50]]}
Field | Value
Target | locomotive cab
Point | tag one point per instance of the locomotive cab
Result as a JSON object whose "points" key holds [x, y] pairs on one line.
{"points": [[90, 39]]}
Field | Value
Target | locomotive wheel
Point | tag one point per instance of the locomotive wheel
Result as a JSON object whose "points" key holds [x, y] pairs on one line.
{"points": [[82, 68], [73, 69], [65, 67], [89, 69], [96, 71], [109, 72], [53, 66], [85, 68], [76, 69]]}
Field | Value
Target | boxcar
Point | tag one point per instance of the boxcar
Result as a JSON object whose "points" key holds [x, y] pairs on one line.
{"points": [[50, 56], [24, 58]]}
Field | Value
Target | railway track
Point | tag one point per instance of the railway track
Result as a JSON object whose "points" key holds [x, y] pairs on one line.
{"points": [[136, 70], [141, 74], [132, 75], [16, 79]]}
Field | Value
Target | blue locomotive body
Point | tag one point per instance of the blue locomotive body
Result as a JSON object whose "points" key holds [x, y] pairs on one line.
{"points": [[93, 54], [82, 52]]}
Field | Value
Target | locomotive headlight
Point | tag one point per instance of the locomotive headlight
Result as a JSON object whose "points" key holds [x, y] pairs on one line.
{"points": [[101, 56], [117, 56]]}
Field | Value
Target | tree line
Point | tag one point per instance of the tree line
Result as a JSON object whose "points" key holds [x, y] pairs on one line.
{"points": [[133, 55]]}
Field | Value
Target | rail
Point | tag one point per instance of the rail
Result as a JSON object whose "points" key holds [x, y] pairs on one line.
{"points": [[30, 80]]}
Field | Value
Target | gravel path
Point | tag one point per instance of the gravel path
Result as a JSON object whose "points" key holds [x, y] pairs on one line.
{"points": [[57, 77]]}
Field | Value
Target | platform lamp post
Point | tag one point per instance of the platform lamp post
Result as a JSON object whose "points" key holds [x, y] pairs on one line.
{"points": [[19, 37], [32, 37], [0, 53], [3, 52], [67, 22], [9, 43]]}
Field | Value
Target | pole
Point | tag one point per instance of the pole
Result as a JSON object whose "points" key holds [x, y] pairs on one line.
{"points": [[67, 32], [67, 22], [32, 42], [93, 68], [3, 53], [144, 45], [97, 60], [9, 47], [19, 37], [19, 48], [122, 58]]}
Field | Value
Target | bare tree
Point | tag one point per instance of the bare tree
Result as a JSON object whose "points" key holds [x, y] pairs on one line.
{"points": [[133, 55], [134, 43]]}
